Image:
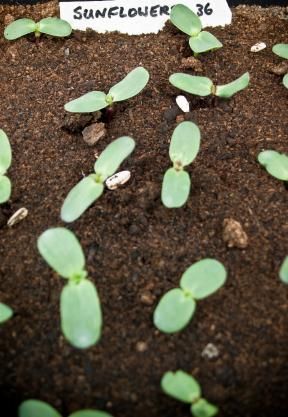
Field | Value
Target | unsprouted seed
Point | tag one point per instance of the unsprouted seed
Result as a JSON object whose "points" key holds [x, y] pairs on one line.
{"points": [[49, 25], [184, 147], [185, 388], [275, 163], [176, 308], [90, 188], [80, 309], [5, 162], [188, 22]]}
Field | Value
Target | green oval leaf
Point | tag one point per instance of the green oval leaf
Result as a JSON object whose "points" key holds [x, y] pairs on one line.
{"points": [[80, 197], [174, 311], [19, 28], [5, 152], [62, 251], [113, 155], [193, 84], [265, 157], [203, 278], [204, 42], [275, 163], [36, 408], [228, 90], [185, 19], [185, 143], [181, 386], [131, 85], [283, 273], [55, 26], [175, 188], [5, 312], [88, 103], [202, 408], [81, 317], [5, 189], [281, 49], [285, 80], [90, 413]]}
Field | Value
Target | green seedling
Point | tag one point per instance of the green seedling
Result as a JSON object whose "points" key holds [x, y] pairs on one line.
{"points": [[49, 25], [184, 147], [188, 22], [36, 408], [283, 273], [203, 86], [176, 308], [281, 49], [5, 162], [130, 86], [5, 313], [90, 188], [81, 317], [276, 164], [185, 388]]}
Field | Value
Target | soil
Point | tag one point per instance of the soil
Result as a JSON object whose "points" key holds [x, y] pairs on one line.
{"points": [[136, 249]]}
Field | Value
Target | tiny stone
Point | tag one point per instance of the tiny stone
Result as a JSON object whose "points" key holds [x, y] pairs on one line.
{"points": [[258, 47], [91, 134], [66, 51], [234, 235], [17, 217], [147, 298], [141, 346], [210, 351], [191, 63], [115, 180], [280, 69]]}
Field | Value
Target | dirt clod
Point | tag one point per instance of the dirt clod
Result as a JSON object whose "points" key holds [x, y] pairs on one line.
{"points": [[93, 133], [234, 235]]}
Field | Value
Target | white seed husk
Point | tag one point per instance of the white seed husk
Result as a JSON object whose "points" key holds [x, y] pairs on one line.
{"points": [[17, 217], [183, 103], [117, 179], [259, 46]]}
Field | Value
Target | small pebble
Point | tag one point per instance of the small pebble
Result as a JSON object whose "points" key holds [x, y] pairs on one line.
{"points": [[66, 51], [279, 69], [234, 235], [17, 217], [210, 351], [147, 298], [141, 346], [183, 103], [117, 179], [258, 47], [191, 63], [93, 133]]}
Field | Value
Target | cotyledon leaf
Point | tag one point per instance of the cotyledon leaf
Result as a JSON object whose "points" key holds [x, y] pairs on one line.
{"points": [[36, 408], [204, 42], [193, 84], [90, 413], [185, 143], [5, 152], [228, 90], [181, 386], [175, 188], [89, 102], [185, 19], [5, 188], [131, 85], [54, 26], [18, 28]]}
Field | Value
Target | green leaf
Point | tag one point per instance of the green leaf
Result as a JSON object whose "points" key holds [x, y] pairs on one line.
{"points": [[281, 49], [181, 386], [185, 143], [88, 103], [203, 278], [228, 90], [275, 163], [202, 408], [185, 19], [113, 155], [55, 27], [174, 311], [193, 84], [175, 188], [80, 197], [62, 251], [36, 408], [131, 85], [5, 152], [81, 317], [5, 189], [204, 42], [5, 312], [19, 28], [283, 273], [90, 413], [285, 80]]}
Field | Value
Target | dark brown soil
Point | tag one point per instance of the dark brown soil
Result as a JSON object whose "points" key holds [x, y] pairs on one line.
{"points": [[136, 249]]}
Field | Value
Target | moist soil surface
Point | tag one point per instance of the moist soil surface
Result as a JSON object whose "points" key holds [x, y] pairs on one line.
{"points": [[136, 249]]}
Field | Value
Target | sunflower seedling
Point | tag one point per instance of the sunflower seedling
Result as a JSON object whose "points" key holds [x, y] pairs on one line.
{"points": [[276, 164], [36, 408], [176, 308], [130, 86], [283, 273], [5, 162], [185, 388], [188, 22], [281, 49], [81, 317], [49, 25], [90, 188], [203, 86], [5, 313], [184, 147]]}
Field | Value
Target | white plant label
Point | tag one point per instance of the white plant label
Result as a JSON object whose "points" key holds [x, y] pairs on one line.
{"points": [[136, 17]]}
